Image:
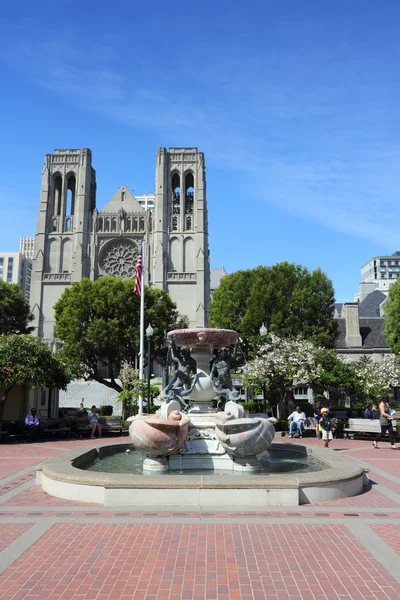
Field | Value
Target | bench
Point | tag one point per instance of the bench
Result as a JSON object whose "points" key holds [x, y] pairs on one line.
{"points": [[365, 426], [54, 427], [108, 425]]}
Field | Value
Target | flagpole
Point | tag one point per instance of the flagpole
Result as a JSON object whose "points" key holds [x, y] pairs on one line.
{"points": [[141, 350]]}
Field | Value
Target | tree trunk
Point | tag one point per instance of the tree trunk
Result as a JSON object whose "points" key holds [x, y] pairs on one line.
{"points": [[3, 401], [286, 404], [110, 384]]}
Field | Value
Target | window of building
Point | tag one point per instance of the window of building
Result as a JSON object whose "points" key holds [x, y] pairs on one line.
{"points": [[57, 195], [176, 194], [174, 223], [300, 391], [71, 186], [189, 193]]}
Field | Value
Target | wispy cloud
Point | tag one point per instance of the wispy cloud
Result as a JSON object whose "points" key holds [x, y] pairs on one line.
{"points": [[303, 142]]}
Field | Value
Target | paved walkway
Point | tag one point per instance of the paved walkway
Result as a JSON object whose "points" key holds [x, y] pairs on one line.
{"points": [[60, 550]]}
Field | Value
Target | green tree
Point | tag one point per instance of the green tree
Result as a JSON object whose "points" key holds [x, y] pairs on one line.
{"points": [[26, 361], [339, 377], [14, 310], [98, 322], [132, 389], [392, 318], [288, 298]]}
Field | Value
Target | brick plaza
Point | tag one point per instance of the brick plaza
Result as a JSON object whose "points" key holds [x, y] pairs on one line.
{"points": [[53, 549]]}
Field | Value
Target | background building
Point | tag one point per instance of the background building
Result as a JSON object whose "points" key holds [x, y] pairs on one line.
{"points": [[27, 247], [16, 268], [75, 240], [379, 273], [215, 278]]}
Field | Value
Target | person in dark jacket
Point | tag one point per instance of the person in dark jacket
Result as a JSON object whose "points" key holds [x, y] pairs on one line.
{"points": [[325, 423]]}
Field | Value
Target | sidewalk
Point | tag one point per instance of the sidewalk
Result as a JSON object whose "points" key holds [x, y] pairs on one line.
{"points": [[60, 550]]}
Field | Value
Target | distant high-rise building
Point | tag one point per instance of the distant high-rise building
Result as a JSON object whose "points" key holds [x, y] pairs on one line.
{"points": [[379, 274], [147, 201], [27, 247], [16, 268]]}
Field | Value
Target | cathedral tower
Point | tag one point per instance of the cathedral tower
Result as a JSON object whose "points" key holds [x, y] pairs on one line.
{"points": [[181, 256], [67, 201]]}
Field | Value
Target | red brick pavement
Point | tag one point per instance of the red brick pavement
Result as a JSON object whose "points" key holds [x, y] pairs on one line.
{"points": [[11, 485], [197, 562], [390, 535], [390, 466], [35, 496], [207, 561], [9, 467], [382, 480], [9, 533]]}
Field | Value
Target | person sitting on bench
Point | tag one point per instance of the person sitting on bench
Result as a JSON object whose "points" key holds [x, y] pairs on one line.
{"points": [[297, 420], [93, 418], [32, 424]]}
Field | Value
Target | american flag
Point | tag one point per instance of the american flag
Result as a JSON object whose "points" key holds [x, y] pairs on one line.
{"points": [[138, 274]]}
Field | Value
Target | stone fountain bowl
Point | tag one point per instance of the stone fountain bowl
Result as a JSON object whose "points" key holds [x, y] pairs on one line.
{"points": [[204, 337], [157, 436], [244, 437]]}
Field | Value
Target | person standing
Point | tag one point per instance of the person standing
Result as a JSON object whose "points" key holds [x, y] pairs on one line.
{"points": [[317, 417], [385, 421], [325, 422]]}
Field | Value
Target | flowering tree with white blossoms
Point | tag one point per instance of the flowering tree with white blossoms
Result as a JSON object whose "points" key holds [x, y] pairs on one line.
{"points": [[282, 362], [279, 362], [379, 378]]}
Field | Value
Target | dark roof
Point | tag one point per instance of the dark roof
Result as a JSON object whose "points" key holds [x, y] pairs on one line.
{"points": [[371, 334], [369, 307], [338, 307]]}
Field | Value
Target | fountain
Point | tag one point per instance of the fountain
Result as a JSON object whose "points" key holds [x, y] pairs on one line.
{"points": [[214, 440], [191, 441]]}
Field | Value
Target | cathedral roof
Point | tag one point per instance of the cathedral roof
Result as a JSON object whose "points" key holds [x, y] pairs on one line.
{"points": [[123, 198]]}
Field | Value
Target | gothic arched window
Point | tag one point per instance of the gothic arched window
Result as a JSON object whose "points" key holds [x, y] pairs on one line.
{"points": [[188, 223], [57, 195], [189, 193], [71, 187], [174, 223], [176, 194]]}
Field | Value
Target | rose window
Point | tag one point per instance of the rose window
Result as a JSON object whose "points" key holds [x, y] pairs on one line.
{"points": [[119, 259]]}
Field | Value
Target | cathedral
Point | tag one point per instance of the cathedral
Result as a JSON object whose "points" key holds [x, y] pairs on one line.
{"points": [[74, 239]]}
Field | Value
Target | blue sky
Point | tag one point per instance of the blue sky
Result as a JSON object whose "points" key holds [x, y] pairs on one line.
{"points": [[294, 102]]}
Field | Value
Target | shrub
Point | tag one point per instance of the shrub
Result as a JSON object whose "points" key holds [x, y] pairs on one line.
{"points": [[252, 407], [282, 425], [106, 410]]}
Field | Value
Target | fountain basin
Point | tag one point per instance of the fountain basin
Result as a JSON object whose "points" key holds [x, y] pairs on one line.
{"points": [[203, 337], [244, 437], [62, 477], [158, 436]]}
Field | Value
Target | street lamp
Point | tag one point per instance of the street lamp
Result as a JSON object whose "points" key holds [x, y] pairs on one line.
{"points": [[263, 335], [263, 332], [149, 335]]}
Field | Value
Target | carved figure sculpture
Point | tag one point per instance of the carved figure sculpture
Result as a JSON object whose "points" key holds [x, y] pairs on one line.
{"points": [[185, 365], [220, 373]]}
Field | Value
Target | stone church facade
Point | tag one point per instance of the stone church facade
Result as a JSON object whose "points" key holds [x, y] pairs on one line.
{"points": [[74, 239]]}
